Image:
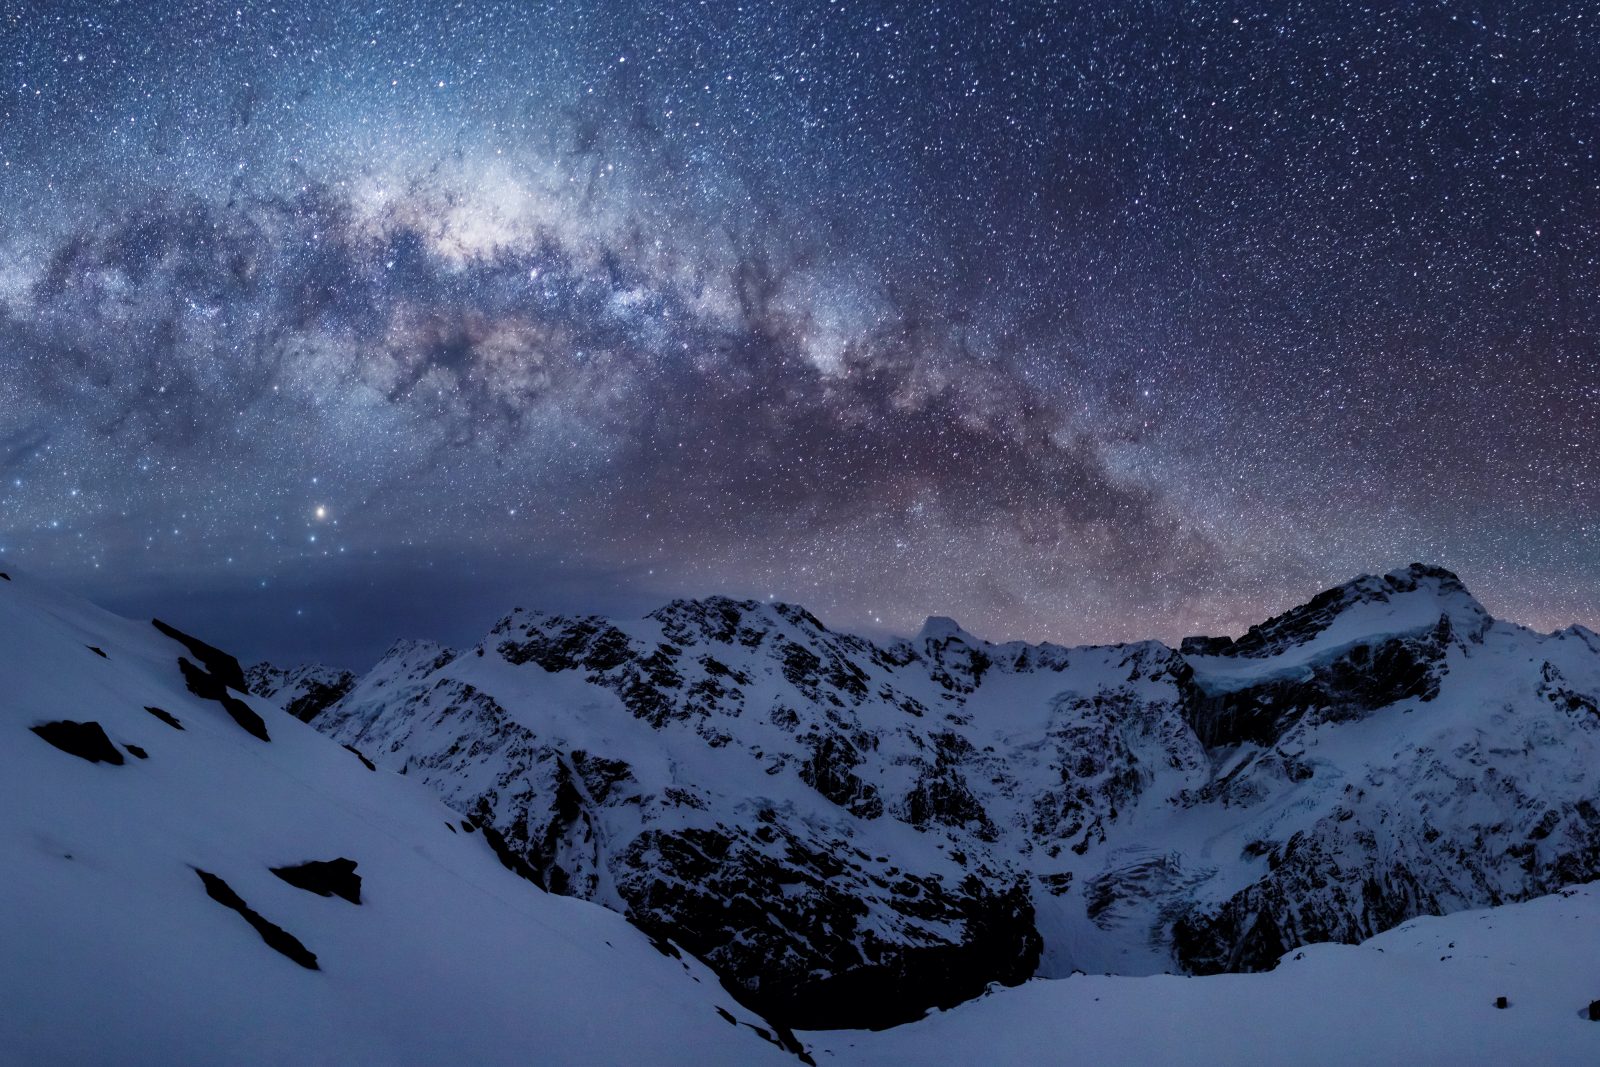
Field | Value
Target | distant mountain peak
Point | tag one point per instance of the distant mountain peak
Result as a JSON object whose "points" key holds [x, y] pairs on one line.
{"points": [[302, 691], [940, 627], [1407, 600]]}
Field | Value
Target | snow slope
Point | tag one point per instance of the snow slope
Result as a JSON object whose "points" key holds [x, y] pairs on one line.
{"points": [[1424, 992], [116, 950]]}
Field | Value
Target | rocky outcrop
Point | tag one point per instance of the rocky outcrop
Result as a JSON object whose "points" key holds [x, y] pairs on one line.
{"points": [[208, 686], [326, 878], [1357, 681], [217, 663], [301, 691], [273, 935], [86, 740], [844, 940]]}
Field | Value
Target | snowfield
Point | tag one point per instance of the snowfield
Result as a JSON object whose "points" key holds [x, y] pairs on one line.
{"points": [[1422, 993]]}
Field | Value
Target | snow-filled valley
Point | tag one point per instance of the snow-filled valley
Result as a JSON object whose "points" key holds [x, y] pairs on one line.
{"points": [[773, 825], [1425, 992]]}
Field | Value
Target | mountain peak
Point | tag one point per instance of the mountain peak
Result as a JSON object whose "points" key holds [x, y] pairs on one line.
{"points": [[1413, 598], [940, 627], [1425, 576]]}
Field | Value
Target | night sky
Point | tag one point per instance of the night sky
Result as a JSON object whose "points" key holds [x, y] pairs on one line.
{"points": [[322, 324]]}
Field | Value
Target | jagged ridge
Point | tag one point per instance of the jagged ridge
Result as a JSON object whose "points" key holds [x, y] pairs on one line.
{"points": [[813, 812]]}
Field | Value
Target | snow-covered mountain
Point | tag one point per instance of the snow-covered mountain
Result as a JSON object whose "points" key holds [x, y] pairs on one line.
{"points": [[847, 832], [191, 877], [851, 832]]}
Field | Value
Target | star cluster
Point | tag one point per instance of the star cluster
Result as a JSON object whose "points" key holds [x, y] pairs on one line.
{"points": [[323, 322]]}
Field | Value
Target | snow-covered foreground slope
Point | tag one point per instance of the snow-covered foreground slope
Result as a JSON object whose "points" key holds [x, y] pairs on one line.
{"points": [[114, 948], [851, 832], [1423, 992]]}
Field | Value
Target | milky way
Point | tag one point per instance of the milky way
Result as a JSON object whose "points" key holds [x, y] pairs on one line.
{"points": [[322, 324]]}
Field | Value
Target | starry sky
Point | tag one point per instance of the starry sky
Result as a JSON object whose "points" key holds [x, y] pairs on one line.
{"points": [[322, 324]]}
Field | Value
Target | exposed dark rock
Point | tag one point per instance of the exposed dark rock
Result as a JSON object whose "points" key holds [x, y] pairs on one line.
{"points": [[1205, 646], [209, 687], [1300, 902], [829, 772], [942, 795], [218, 663], [86, 740], [324, 878], [1056, 884], [664, 946], [137, 751], [600, 775], [275, 936], [509, 858], [646, 682], [1362, 679], [97, 650], [1001, 945], [781, 1036], [954, 663], [1501, 1002], [1594, 1011], [1553, 687], [5, 576], [1301, 624], [317, 697], [303, 692], [166, 717], [811, 958], [365, 762]]}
